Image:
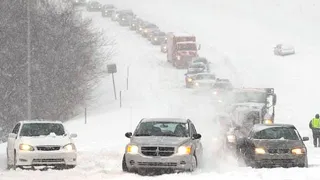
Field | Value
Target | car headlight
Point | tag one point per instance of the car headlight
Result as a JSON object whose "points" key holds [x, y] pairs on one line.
{"points": [[69, 147], [133, 25], [298, 151], [26, 147], [132, 149], [164, 47], [145, 31], [260, 151], [231, 138], [189, 79], [123, 19], [184, 150], [140, 29], [155, 39], [267, 121], [178, 57]]}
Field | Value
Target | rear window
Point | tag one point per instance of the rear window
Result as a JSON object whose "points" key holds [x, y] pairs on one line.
{"points": [[279, 133]]}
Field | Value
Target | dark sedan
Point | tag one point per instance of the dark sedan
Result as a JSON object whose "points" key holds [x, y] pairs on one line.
{"points": [[273, 145]]}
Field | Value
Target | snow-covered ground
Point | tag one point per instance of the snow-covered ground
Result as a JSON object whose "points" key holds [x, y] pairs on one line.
{"points": [[238, 37]]}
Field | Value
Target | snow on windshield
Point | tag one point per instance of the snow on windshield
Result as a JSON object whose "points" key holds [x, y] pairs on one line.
{"points": [[280, 133], [42, 129], [175, 129]]}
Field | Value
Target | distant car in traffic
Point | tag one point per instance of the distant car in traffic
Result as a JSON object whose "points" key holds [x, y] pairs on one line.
{"points": [[94, 6], [283, 50], [163, 144], [200, 80], [107, 10]]}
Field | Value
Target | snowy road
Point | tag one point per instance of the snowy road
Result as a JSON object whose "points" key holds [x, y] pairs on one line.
{"points": [[156, 89]]}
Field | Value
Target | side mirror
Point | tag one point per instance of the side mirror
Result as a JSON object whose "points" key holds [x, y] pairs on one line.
{"points": [[305, 139], [199, 47], [196, 136], [274, 100], [12, 136], [73, 135], [128, 134]]}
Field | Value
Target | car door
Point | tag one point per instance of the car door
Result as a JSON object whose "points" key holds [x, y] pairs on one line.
{"points": [[197, 142], [11, 140]]}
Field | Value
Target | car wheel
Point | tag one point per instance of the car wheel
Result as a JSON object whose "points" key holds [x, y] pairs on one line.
{"points": [[194, 163], [124, 164], [304, 165]]}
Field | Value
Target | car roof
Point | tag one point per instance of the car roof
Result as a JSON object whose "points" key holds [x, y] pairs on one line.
{"points": [[179, 120], [260, 127], [205, 74], [39, 121], [186, 42], [197, 63]]}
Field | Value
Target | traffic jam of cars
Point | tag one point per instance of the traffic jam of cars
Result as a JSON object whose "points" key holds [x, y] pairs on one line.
{"points": [[247, 118]]}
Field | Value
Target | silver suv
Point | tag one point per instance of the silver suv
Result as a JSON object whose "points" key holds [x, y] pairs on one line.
{"points": [[163, 143]]}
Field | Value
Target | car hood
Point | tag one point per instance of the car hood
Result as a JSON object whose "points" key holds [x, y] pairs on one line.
{"points": [[46, 140], [205, 81], [278, 143], [159, 140]]}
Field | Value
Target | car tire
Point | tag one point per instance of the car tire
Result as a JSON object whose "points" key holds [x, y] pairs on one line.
{"points": [[124, 164], [194, 163], [304, 165]]}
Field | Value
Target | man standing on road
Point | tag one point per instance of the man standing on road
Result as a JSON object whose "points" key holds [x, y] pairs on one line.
{"points": [[315, 127]]}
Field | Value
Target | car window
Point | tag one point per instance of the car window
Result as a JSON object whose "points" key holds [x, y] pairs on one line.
{"points": [[16, 129], [197, 66], [175, 129], [193, 129], [281, 133], [222, 85], [42, 129], [206, 76]]}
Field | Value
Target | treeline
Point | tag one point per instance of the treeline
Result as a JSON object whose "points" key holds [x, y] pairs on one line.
{"points": [[48, 53]]}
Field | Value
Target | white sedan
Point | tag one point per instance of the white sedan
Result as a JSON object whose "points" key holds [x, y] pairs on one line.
{"points": [[282, 50], [41, 143]]}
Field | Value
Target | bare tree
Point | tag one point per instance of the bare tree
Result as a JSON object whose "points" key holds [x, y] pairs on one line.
{"points": [[66, 60]]}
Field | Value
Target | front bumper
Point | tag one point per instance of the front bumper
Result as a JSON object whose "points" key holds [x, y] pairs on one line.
{"points": [[174, 162], [279, 159], [47, 158]]}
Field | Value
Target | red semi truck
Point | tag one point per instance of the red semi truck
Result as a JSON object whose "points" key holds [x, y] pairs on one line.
{"points": [[181, 48]]}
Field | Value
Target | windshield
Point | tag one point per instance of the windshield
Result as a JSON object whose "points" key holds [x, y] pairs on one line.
{"points": [[284, 133], [196, 66], [206, 76], [243, 97], [187, 46], [160, 34], [222, 86], [150, 26], [42, 129], [175, 129]]}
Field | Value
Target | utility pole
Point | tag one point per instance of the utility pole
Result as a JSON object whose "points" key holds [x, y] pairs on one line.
{"points": [[29, 60]]}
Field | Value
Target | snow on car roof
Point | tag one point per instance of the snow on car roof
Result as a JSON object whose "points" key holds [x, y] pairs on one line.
{"points": [[39, 121], [180, 120], [205, 74]]}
